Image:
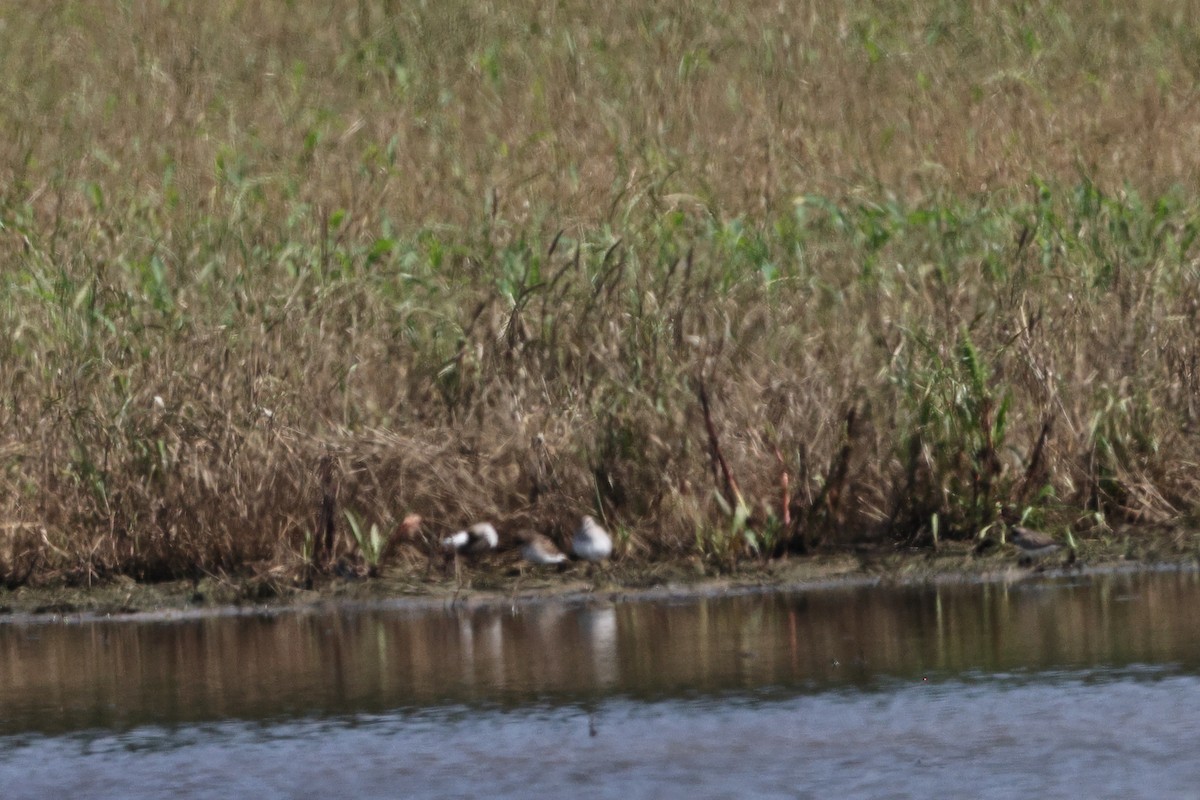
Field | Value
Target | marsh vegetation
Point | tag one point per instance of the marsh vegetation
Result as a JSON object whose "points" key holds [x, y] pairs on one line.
{"points": [[738, 281]]}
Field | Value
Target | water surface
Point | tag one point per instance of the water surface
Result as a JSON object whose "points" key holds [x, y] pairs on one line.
{"points": [[1078, 687]]}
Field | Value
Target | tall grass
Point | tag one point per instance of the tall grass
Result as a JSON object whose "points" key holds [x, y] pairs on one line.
{"points": [[931, 265]]}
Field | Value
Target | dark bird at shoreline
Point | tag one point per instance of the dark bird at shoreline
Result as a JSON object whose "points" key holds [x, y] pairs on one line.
{"points": [[1033, 544]]}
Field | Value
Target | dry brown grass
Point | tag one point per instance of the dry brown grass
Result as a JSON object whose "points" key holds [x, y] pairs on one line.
{"points": [[586, 113], [894, 242]]}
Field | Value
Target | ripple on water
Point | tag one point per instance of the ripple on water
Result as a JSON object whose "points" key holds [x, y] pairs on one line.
{"points": [[1131, 734]]}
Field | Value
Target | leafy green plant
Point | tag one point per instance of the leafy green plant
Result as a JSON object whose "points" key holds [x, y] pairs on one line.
{"points": [[370, 542]]}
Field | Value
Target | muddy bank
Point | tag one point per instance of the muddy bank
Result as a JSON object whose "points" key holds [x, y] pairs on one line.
{"points": [[502, 581]]}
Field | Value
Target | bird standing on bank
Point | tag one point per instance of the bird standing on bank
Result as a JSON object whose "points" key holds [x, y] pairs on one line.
{"points": [[591, 542], [479, 538], [538, 549], [1033, 544]]}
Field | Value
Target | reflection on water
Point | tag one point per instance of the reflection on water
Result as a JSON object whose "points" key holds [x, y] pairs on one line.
{"points": [[59, 677], [748, 694]]}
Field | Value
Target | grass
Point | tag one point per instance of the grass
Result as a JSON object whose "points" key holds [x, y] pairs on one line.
{"points": [[276, 279]]}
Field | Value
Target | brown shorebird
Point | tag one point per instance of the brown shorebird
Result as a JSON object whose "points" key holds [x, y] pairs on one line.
{"points": [[538, 549], [1033, 544], [591, 542], [405, 533], [479, 538], [409, 527]]}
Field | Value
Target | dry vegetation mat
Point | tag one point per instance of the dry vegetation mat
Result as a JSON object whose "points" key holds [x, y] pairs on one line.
{"points": [[739, 279]]}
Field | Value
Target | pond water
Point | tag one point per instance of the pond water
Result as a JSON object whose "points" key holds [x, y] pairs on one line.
{"points": [[1080, 687]]}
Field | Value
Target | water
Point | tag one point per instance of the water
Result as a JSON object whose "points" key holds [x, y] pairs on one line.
{"points": [[1067, 688]]}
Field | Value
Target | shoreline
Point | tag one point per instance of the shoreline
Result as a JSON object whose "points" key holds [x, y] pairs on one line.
{"points": [[491, 586]]}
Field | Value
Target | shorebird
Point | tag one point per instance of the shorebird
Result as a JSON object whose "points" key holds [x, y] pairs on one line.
{"points": [[1033, 544], [591, 542], [479, 538], [405, 533], [409, 527], [538, 549]]}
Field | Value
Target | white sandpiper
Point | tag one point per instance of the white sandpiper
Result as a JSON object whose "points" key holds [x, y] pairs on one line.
{"points": [[479, 538], [538, 549], [591, 542]]}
